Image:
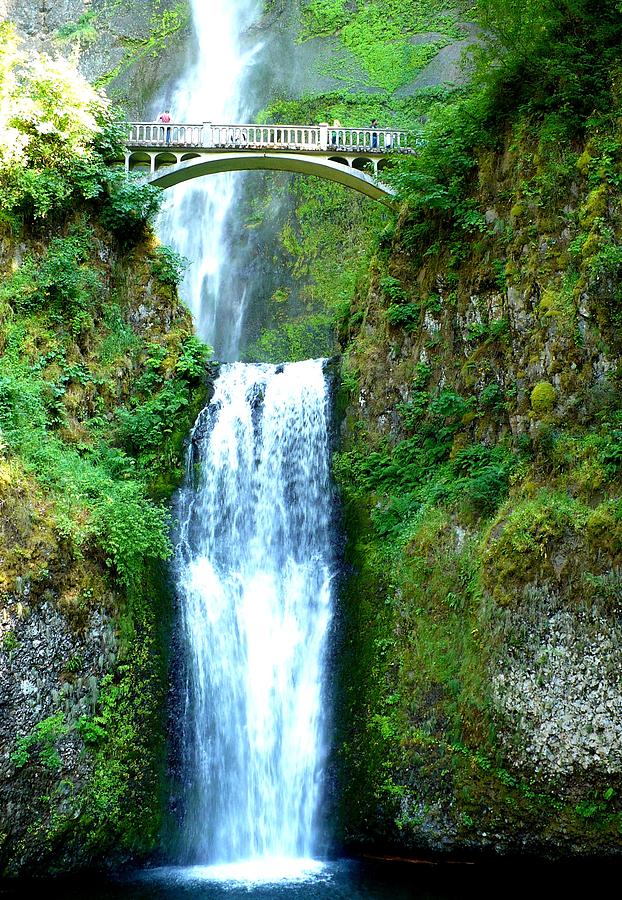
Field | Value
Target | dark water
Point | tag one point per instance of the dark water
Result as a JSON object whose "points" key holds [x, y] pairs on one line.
{"points": [[349, 880]]}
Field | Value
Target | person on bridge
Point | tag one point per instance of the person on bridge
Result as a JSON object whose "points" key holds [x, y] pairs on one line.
{"points": [[165, 118], [374, 137]]}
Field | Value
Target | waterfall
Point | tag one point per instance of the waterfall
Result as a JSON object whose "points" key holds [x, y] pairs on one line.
{"points": [[194, 218], [253, 563], [253, 568]]}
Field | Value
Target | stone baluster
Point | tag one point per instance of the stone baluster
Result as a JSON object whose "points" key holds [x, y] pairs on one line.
{"points": [[323, 143]]}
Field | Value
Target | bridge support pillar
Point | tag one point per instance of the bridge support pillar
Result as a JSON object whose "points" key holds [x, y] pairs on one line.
{"points": [[152, 162]]}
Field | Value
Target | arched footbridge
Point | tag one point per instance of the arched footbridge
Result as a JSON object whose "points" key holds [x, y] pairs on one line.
{"points": [[355, 157]]}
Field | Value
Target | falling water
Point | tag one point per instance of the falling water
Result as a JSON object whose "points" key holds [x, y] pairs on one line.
{"points": [[194, 220], [253, 567], [253, 561]]}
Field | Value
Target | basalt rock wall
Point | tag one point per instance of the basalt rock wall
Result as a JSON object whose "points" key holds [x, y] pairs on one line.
{"points": [[481, 476]]}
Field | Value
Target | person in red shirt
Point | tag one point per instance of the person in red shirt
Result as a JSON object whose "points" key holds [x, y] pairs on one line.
{"points": [[165, 118]]}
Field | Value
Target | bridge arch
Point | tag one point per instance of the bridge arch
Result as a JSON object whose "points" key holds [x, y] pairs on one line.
{"points": [[139, 159], [342, 160], [166, 158], [364, 164], [332, 169]]}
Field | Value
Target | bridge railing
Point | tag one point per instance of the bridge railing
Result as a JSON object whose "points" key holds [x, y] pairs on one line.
{"points": [[285, 137], [368, 140], [322, 138], [153, 135]]}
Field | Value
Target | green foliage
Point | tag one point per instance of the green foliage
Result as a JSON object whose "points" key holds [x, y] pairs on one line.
{"points": [[483, 476], [376, 37], [405, 315], [520, 550], [9, 642], [99, 491], [129, 207], [41, 742], [295, 341], [60, 281], [434, 180], [56, 135], [74, 664], [95, 401], [165, 24], [143, 429], [612, 451], [493, 397], [393, 289], [607, 261], [168, 266], [131, 529], [496, 330], [543, 398], [422, 469], [93, 734], [82, 32], [122, 804], [193, 359], [322, 17], [552, 55], [443, 483]]}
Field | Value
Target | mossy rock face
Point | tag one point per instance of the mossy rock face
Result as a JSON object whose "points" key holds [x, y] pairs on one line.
{"points": [[93, 424], [484, 640], [132, 49]]}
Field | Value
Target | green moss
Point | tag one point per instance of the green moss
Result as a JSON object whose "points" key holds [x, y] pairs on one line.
{"points": [[521, 543], [375, 38], [543, 397], [322, 17]]}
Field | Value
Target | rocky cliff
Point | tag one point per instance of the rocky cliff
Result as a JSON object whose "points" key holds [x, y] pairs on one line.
{"points": [[133, 49], [100, 380], [481, 475]]}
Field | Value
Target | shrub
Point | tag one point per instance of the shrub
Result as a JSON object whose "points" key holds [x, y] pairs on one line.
{"points": [[612, 452], [42, 741], [193, 359], [131, 529], [168, 266], [143, 429], [405, 315], [492, 397], [392, 288], [50, 119], [92, 732], [59, 281], [129, 206]]}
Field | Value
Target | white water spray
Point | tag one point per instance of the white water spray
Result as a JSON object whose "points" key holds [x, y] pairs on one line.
{"points": [[254, 570], [194, 219]]}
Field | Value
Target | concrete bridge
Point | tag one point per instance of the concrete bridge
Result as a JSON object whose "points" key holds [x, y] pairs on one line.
{"points": [[354, 157]]}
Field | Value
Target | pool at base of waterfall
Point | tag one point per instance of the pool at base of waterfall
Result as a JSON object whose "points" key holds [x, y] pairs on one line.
{"points": [[303, 879]]}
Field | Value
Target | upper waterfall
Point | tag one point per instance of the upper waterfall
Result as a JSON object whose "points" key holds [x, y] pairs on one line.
{"points": [[194, 218]]}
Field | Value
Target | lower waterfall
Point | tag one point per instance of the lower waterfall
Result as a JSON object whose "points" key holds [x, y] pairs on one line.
{"points": [[254, 568]]}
